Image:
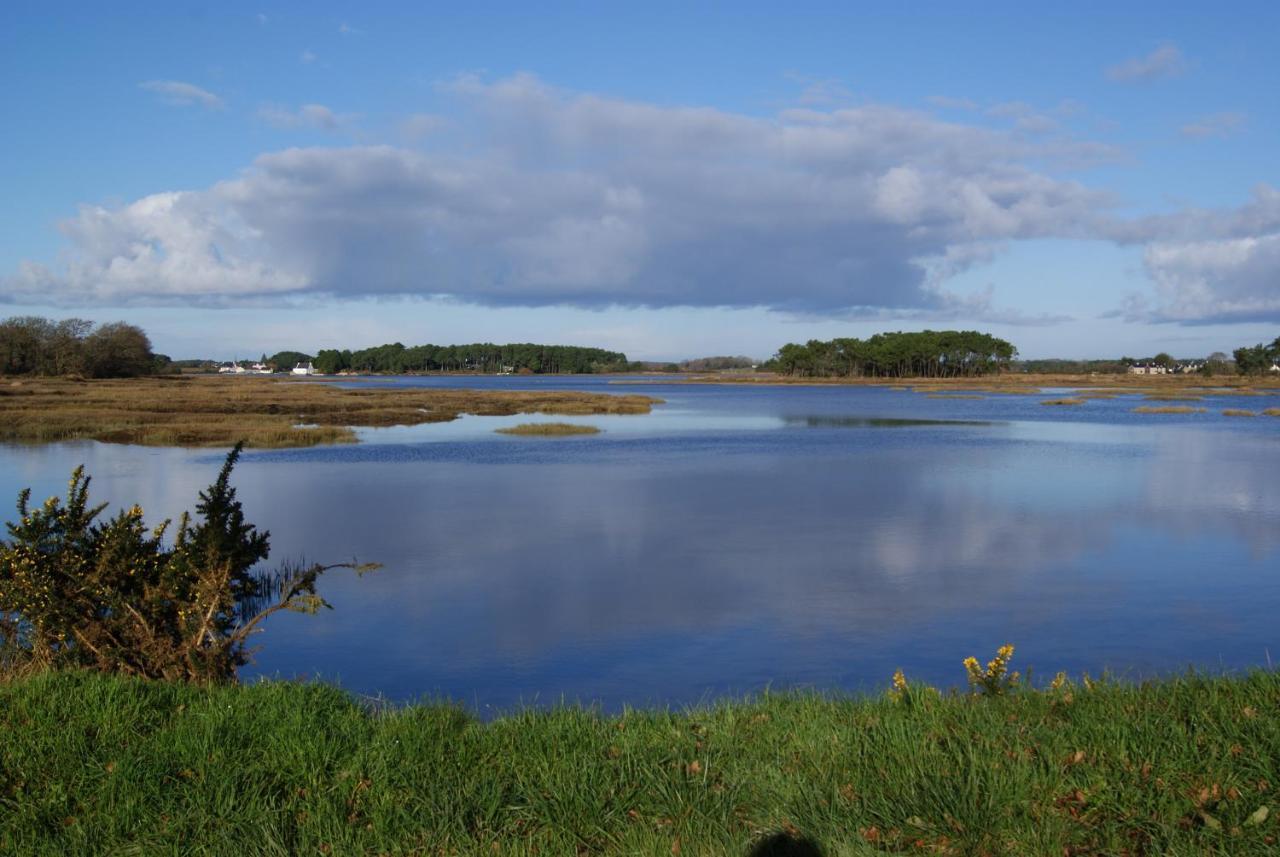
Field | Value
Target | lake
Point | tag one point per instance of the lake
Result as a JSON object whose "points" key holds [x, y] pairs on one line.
{"points": [[741, 538]]}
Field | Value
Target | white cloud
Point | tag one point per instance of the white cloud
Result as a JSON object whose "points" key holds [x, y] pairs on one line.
{"points": [[552, 197], [1214, 125], [1210, 266], [307, 57], [1165, 61], [183, 94], [307, 116]]}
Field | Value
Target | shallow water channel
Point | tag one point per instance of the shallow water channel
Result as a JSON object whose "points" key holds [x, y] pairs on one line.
{"points": [[740, 538]]}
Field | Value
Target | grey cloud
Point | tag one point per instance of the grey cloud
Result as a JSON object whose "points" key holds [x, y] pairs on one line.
{"points": [[545, 197], [1215, 125], [182, 94], [1164, 61]]}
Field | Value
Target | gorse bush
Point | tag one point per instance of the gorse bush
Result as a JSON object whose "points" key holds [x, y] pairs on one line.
{"points": [[116, 597]]}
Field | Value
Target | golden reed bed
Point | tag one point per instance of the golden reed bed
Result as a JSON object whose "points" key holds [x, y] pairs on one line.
{"points": [[264, 412]]}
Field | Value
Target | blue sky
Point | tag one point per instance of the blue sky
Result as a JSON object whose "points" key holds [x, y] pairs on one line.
{"points": [[665, 180]]}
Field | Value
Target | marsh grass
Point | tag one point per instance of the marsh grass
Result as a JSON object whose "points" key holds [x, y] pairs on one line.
{"points": [[954, 396], [1070, 401], [1174, 397], [265, 412], [1239, 412], [91, 764], [1272, 412], [548, 429], [1169, 409]]}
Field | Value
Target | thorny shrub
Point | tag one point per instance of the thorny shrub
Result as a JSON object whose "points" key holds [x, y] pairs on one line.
{"points": [[115, 597]]}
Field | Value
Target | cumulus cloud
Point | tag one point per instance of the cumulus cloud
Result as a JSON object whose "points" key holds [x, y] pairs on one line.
{"points": [[307, 116], [182, 94], [552, 197], [1215, 125], [1210, 265], [1165, 61]]}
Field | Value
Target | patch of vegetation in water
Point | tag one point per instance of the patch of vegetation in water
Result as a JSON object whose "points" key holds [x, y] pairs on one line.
{"points": [[1070, 401], [548, 429], [1169, 409]]}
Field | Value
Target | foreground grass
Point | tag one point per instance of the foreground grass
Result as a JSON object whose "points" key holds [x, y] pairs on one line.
{"points": [[265, 412], [91, 764], [548, 429]]}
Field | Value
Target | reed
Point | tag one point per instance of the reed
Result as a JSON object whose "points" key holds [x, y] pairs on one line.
{"points": [[264, 412], [548, 429], [1238, 412], [1169, 409], [1070, 401]]}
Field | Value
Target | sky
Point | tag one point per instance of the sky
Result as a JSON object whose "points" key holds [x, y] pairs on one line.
{"points": [[669, 180]]}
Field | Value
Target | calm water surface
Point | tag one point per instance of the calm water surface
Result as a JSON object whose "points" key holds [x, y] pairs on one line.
{"points": [[739, 538]]}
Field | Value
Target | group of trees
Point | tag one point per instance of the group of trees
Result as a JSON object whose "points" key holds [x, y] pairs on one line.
{"points": [[1257, 359], [927, 354], [30, 345], [483, 357]]}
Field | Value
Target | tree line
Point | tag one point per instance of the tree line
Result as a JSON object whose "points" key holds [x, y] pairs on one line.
{"points": [[1257, 359], [30, 345], [926, 354], [484, 357]]}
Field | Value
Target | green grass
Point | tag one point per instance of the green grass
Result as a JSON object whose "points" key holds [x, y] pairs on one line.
{"points": [[97, 765]]}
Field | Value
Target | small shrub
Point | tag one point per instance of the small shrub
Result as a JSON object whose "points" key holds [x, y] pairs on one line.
{"points": [[995, 680], [115, 597]]}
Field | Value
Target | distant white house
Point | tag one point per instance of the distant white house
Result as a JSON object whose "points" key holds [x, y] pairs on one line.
{"points": [[1275, 367], [234, 368], [1147, 369], [304, 369]]}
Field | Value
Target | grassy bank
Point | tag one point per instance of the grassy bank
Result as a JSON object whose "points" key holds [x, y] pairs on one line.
{"points": [[91, 764], [265, 412]]}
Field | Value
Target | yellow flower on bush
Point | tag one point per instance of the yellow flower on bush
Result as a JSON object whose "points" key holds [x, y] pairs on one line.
{"points": [[996, 679]]}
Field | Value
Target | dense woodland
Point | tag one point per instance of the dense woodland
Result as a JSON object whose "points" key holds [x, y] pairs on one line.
{"points": [[926, 354], [30, 345], [485, 357]]}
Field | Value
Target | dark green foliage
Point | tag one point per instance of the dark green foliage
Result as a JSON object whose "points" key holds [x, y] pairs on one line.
{"points": [[93, 764], [30, 345], [484, 357], [927, 354], [115, 597], [1258, 359], [715, 364], [286, 360]]}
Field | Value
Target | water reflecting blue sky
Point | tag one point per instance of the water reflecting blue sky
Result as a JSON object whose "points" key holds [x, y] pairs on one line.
{"points": [[744, 537]]}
